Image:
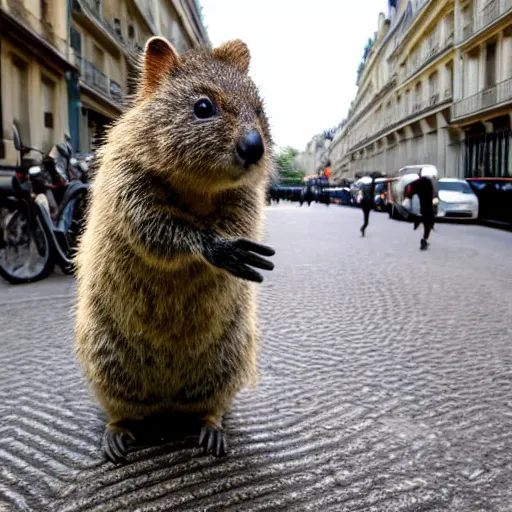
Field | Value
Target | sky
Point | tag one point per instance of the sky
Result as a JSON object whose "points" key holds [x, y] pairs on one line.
{"points": [[304, 56]]}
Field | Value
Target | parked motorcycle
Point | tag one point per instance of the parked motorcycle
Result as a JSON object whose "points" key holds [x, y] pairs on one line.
{"points": [[79, 166], [41, 214]]}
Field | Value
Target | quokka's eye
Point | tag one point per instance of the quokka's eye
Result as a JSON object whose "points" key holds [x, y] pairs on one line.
{"points": [[204, 108]]}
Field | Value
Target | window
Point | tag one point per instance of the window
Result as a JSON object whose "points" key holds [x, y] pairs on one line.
{"points": [[96, 7], [98, 57], [117, 27], [131, 32], [450, 27], [490, 65], [454, 186], [44, 10], [418, 98], [20, 101], [433, 87], [76, 41], [448, 90]]}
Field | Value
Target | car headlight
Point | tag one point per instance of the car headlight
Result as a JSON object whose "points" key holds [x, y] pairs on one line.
{"points": [[34, 170]]}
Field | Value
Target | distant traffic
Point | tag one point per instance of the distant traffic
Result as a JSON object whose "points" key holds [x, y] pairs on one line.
{"points": [[488, 199]]}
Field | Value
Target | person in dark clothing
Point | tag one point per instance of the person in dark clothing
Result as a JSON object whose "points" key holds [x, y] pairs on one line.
{"points": [[426, 190], [367, 202]]}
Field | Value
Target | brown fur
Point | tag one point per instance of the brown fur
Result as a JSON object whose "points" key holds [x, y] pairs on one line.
{"points": [[158, 328]]}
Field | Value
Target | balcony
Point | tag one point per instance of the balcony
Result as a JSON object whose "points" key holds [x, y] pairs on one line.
{"points": [[428, 55], [94, 6], [434, 99], [90, 14], [409, 18], [492, 12], [495, 96], [489, 14], [98, 81], [400, 114], [467, 31]]}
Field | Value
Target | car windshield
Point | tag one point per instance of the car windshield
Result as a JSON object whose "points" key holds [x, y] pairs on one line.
{"points": [[455, 186]]}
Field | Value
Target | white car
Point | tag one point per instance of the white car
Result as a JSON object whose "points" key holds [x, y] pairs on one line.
{"points": [[456, 199], [400, 206]]}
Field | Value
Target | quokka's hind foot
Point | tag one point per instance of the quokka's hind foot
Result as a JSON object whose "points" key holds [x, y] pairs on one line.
{"points": [[212, 437], [115, 442], [213, 441]]}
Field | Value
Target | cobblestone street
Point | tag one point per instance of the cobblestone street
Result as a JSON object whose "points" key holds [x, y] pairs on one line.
{"points": [[385, 384]]}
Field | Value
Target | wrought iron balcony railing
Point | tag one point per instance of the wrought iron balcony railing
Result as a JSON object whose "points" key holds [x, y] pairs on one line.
{"points": [[399, 114], [493, 10], [498, 94], [99, 81]]}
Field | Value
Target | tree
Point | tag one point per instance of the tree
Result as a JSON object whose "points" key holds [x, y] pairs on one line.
{"points": [[287, 168]]}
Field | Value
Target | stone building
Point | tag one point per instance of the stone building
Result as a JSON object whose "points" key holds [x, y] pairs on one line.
{"points": [[315, 158], [34, 60], [482, 108], [316, 155], [67, 66], [435, 87]]}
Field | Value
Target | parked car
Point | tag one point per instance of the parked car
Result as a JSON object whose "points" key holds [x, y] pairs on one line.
{"points": [[456, 199], [398, 206], [494, 198], [289, 192], [346, 197], [338, 195], [356, 189], [306, 195], [381, 194]]}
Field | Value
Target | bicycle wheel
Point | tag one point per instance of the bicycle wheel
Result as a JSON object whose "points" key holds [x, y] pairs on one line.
{"points": [[25, 253], [71, 223]]}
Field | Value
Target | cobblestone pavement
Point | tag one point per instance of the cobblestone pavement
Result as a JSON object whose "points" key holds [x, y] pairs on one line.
{"points": [[386, 385]]}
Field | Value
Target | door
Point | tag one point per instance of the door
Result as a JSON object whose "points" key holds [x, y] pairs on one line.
{"points": [[19, 95], [48, 104]]}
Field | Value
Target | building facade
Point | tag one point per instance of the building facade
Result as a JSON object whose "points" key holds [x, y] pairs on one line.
{"points": [[316, 155], [435, 87], [315, 158], [75, 71], [34, 61]]}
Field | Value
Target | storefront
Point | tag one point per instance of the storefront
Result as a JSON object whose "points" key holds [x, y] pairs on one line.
{"points": [[486, 151]]}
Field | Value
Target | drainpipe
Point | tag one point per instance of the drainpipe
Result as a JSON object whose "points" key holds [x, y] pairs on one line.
{"points": [[72, 79]]}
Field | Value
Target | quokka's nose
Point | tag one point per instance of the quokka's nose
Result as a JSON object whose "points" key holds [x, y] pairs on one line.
{"points": [[250, 148]]}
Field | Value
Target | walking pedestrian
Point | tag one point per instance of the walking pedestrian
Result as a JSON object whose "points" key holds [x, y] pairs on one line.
{"points": [[367, 200], [425, 187]]}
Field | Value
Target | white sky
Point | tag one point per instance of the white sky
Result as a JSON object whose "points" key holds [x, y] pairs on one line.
{"points": [[304, 56]]}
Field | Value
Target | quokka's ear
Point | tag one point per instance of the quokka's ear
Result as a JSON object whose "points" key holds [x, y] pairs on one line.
{"points": [[160, 58], [235, 52]]}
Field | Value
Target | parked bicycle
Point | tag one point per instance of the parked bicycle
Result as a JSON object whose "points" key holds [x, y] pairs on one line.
{"points": [[41, 213]]}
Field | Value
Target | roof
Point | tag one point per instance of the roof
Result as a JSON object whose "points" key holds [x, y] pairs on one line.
{"points": [[384, 180], [417, 166]]}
